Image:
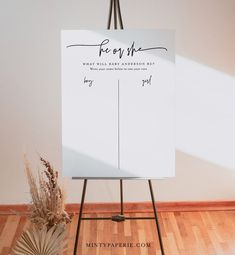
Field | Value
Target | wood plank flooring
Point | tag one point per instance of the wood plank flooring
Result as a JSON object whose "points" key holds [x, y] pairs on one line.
{"points": [[183, 233]]}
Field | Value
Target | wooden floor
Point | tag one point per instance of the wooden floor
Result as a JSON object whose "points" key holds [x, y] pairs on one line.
{"points": [[186, 233]]}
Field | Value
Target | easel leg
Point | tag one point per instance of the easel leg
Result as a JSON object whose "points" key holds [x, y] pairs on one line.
{"points": [[80, 217], [121, 196], [156, 217]]}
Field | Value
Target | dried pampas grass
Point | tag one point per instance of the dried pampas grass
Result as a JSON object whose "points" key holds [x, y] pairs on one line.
{"points": [[48, 200], [41, 241], [46, 212]]}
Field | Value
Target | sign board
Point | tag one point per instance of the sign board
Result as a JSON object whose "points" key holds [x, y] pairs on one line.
{"points": [[118, 103]]}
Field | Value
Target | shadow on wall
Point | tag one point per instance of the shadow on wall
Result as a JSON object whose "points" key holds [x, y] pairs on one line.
{"points": [[198, 178], [205, 112], [208, 43]]}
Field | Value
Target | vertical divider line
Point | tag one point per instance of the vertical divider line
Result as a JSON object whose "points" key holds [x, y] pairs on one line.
{"points": [[119, 124]]}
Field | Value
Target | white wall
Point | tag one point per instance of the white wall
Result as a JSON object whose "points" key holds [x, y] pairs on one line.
{"points": [[30, 118]]}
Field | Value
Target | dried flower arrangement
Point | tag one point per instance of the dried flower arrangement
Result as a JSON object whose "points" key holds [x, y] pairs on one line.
{"points": [[48, 207], [47, 214]]}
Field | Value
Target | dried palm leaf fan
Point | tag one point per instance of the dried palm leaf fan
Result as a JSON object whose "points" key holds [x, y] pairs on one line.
{"points": [[41, 242]]}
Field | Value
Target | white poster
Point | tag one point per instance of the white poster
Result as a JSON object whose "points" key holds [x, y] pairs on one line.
{"points": [[118, 103]]}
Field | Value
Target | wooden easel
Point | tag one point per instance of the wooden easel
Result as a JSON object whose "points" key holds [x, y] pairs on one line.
{"points": [[115, 12]]}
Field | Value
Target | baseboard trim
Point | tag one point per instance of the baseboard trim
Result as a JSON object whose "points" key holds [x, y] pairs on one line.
{"points": [[134, 207]]}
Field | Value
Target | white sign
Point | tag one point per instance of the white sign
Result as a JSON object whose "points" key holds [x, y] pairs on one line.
{"points": [[118, 103]]}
